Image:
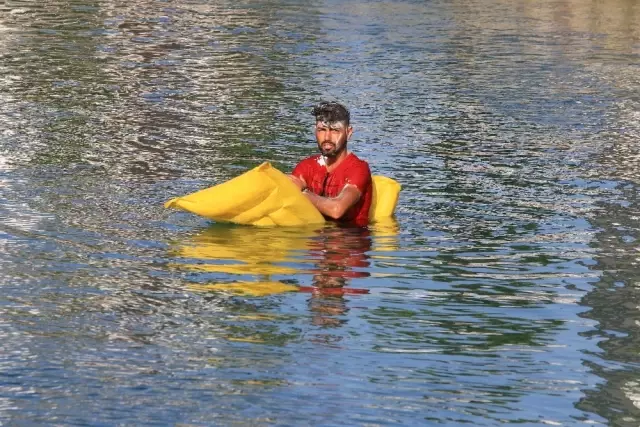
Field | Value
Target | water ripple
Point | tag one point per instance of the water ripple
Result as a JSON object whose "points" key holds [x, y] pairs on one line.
{"points": [[505, 284]]}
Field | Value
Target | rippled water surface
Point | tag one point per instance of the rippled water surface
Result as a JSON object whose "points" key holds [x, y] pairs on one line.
{"points": [[504, 292]]}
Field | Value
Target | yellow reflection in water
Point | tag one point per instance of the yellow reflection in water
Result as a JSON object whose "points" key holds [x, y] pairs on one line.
{"points": [[319, 261], [336, 254], [384, 233], [245, 250], [256, 289]]}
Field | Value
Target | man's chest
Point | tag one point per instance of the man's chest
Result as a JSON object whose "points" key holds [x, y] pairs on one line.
{"points": [[327, 184]]}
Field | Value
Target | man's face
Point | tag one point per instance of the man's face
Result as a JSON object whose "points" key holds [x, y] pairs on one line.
{"points": [[332, 137]]}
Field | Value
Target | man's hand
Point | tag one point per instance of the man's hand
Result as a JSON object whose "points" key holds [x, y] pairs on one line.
{"points": [[299, 182]]}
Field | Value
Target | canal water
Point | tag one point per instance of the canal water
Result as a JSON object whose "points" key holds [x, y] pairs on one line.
{"points": [[505, 291]]}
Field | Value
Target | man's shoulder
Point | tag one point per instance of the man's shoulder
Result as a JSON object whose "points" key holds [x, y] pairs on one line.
{"points": [[311, 164], [355, 160], [356, 171]]}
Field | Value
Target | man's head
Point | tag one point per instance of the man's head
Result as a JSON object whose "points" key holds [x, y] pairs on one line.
{"points": [[332, 128]]}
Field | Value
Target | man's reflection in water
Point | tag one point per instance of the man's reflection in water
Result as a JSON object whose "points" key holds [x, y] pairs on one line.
{"points": [[339, 254]]}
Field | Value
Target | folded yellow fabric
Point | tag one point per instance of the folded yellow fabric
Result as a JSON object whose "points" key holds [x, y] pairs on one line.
{"points": [[264, 196], [385, 197]]}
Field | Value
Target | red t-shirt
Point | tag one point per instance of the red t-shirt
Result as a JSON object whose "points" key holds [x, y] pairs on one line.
{"points": [[351, 170]]}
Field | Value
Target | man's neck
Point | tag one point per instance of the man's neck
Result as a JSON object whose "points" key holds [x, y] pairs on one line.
{"points": [[333, 162]]}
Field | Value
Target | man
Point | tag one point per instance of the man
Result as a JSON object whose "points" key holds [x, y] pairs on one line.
{"points": [[336, 181]]}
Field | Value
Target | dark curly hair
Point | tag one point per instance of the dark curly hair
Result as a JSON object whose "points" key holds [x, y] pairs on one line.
{"points": [[329, 111]]}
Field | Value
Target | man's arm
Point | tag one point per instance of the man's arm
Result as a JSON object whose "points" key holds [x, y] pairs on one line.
{"points": [[298, 181], [335, 207]]}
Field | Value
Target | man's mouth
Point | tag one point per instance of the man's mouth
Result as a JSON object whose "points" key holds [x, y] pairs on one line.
{"points": [[328, 149]]}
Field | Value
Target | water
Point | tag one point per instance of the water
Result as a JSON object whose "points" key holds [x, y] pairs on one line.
{"points": [[505, 291]]}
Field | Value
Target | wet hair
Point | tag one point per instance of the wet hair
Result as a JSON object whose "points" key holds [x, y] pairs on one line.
{"points": [[329, 111]]}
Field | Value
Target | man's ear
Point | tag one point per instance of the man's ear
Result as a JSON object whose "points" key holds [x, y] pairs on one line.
{"points": [[349, 132]]}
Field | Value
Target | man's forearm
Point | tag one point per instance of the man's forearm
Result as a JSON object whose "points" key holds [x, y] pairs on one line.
{"points": [[327, 206], [335, 207]]}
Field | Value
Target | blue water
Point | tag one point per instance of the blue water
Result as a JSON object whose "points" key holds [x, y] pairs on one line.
{"points": [[504, 291]]}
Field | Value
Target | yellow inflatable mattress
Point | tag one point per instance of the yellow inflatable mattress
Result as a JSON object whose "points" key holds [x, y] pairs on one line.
{"points": [[264, 196]]}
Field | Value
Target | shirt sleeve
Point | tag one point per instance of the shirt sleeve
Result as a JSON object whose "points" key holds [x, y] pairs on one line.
{"points": [[359, 176], [301, 170]]}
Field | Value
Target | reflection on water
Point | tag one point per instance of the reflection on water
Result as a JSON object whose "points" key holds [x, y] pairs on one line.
{"points": [[318, 260], [244, 250], [505, 291]]}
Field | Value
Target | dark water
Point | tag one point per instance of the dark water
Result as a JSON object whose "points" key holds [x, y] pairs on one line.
{"points": [[505, 291]]}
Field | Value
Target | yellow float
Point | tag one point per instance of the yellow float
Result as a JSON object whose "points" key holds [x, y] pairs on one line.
{"points": [[264, 196]]}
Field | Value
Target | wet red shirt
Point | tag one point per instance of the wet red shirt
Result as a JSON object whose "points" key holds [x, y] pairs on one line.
{"points": [[351, 170]]}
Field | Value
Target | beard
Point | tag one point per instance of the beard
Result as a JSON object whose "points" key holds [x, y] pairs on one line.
{"points": [[331, 150]]}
